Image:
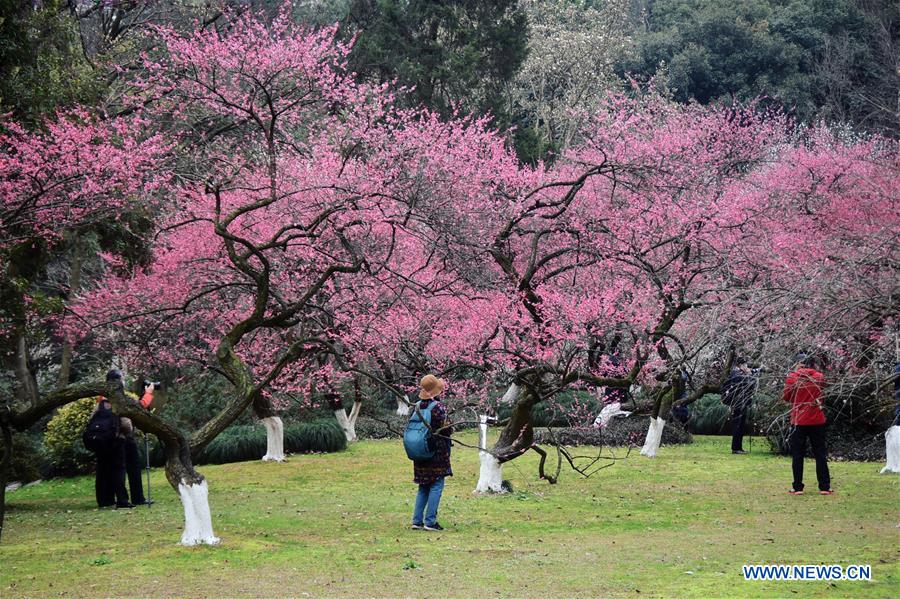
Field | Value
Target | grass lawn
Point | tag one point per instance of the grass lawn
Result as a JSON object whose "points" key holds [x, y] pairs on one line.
{"points": [[680, 525]]}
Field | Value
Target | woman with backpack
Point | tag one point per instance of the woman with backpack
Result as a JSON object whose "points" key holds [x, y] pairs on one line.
{"points": [[429, 474], [103, 436]]}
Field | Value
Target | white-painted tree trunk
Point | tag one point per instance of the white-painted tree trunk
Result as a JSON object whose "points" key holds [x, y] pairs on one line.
{"points": [[274, 439], [490, 477], [511, 394], [346, 425], [197, 518], [608, 412], [351, 420], [402, 407], [892, 448], [654, 437]]}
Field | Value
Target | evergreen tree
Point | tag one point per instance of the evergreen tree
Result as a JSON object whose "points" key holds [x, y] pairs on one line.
{"points": [[455, 51]]}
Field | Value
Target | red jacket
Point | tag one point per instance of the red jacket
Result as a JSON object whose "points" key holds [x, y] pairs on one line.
{"points": [[803, 390]]}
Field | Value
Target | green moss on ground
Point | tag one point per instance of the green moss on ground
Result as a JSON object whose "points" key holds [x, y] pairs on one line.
{"points": [[336, 525]]}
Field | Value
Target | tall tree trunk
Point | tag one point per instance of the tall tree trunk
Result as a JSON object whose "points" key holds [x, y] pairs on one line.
{"points": [[65, 363], [28, 389]]}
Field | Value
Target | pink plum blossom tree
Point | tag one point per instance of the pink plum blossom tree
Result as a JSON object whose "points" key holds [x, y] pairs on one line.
{"points": [[76, 173]]}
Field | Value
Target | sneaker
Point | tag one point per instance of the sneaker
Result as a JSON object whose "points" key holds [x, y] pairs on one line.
{"points": [[417, 526], [434, 526], [144, 502], [125, 506], [795, 492], [739, 452], [828, 492]]}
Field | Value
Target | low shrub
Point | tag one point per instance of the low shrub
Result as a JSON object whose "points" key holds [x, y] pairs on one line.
{"points": [[709, 416], [248, 442], [63, 449]]}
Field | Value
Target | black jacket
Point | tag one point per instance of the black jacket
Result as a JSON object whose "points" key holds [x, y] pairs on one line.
{"points": [[738, 389]]}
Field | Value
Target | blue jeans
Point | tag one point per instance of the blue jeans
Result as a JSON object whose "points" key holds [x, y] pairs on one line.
{"points": [[429, 495]]}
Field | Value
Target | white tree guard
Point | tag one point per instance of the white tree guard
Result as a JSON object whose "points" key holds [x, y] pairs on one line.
{"points": [[608, 412], [345, 424], [198, 528], [402, 408], [892, 448], [490, 477], [654, 437], [274, 439]]}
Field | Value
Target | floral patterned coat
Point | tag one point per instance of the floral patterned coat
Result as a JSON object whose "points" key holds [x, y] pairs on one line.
{"points": [[427, 472]]}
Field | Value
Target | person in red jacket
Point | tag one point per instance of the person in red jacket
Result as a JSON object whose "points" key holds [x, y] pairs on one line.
{"points": [[803, 390], [147, 397]]}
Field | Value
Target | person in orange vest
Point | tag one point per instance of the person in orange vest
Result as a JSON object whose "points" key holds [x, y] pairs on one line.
{"points": [[803, 390]]}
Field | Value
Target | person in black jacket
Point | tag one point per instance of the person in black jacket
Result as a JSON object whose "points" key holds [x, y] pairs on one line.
{"points": [[109, 485], [132, 463], [737, 392]]}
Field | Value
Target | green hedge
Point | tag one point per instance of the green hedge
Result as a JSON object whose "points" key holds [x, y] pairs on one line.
{"points": [[248, 442]]}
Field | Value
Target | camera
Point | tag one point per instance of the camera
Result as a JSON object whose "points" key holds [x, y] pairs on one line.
{"points": [[156, 384]]}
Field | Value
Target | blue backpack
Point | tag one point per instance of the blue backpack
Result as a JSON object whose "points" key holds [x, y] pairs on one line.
{"points": [[417, 438]]}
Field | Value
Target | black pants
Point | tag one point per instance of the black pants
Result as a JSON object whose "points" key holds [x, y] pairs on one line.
{"points": [[738, 424], [797, 440], [109, 485], [133, 469]]}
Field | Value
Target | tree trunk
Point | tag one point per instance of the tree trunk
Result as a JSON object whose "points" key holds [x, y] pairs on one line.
{"points": [[490, 477], [661, 407], [892, 448], [354, 411], [511, 394], [654, 437], [347, 423], [28, 389], [274, 439], [65, 363], [516, 438], [262, 409], [4, 471], [344, 423]]}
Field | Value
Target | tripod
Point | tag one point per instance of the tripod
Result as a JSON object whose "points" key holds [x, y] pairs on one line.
{"points": [[147, 453]]}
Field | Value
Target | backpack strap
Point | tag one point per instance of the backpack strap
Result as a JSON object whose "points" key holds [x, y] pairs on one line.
{"points": [[420, 411]]}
